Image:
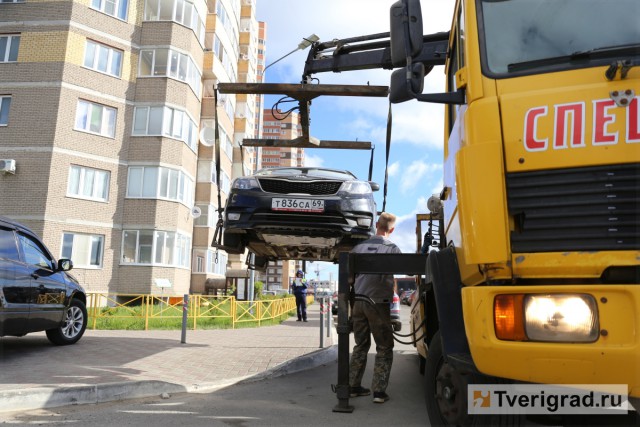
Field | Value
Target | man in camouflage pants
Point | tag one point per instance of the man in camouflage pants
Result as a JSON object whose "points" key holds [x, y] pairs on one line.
{"points": [[374, 318]]}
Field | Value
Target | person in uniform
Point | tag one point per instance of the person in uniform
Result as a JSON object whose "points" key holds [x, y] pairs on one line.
{"points": [[299, 286], [373, 319]]}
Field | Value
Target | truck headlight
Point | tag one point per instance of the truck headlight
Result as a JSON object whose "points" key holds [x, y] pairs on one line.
{"points": [[548, 317], [567, 318]]}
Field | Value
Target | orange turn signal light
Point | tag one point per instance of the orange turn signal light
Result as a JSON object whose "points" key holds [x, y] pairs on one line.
{"points": [[508, 317]]}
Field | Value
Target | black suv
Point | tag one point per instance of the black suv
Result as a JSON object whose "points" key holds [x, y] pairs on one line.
{"points": [[36, 292]]}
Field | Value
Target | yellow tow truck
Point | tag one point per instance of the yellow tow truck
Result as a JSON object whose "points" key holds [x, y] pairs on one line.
{"points": [[537, 279]]}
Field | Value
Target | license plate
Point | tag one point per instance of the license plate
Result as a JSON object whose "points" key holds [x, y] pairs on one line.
{"points": [[297, 205]]}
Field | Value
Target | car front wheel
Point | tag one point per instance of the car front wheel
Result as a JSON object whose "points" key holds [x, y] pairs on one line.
{"points": [[73, 325]]}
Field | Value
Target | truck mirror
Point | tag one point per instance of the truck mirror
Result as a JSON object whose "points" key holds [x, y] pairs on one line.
{"points": [[405, 31], [404, 88]]}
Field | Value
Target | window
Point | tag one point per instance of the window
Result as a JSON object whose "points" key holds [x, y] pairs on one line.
{"points": [[103, 58], [180, 11], [5, 103], [9, 48], [96, 118], [34, 254], [152, 182], [116, 8], [8, 248], [155, 248], [208, 216], [199, 267], [88, 183], [165, 121], [227, 22], [225, 58], [206, 171], [225, 182], [169, 63], [543, 36], [219, 267], [11, 1], [225, 143], [84, 250]]}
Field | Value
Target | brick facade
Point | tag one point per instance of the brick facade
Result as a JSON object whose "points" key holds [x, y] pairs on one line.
{"points": [[45, 85]]}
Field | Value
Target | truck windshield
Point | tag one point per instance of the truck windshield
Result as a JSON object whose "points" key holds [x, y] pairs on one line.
{"points": [[545, 35]]}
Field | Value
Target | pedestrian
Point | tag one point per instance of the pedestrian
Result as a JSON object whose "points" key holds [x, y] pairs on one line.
{"points": [[373, 319], [299, 286]]}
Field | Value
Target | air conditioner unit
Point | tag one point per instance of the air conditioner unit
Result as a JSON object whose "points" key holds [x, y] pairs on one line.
{"points": [[7, 165]]}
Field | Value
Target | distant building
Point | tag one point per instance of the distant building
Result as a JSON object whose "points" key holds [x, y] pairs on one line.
{"points": [[281, 127]]}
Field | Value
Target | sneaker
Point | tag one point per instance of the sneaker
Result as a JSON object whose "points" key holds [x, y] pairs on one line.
{"points": [[299, 320], [304, 320], [380, 397], [359, 391]]}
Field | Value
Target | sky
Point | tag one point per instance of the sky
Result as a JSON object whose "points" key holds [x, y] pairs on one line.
{"points": [[416, 153]]}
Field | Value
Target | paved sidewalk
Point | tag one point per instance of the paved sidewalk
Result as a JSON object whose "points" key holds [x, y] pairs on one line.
{"points": [[114, 365]]}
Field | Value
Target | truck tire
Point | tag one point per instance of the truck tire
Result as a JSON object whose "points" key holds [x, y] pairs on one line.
{"points": [[446, 393], [73, 325]]}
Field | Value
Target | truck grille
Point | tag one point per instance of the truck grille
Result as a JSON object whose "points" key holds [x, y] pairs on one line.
{"points": [[314, 188], [582, 209]]}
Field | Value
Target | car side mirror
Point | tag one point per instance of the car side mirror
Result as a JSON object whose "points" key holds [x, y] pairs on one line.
{"points": [[407, 40], [400, 90], [405, 30], [374, 186], [65, 264]]}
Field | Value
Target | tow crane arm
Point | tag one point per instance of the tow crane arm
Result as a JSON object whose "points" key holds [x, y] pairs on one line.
{"points": [[370, 52]]}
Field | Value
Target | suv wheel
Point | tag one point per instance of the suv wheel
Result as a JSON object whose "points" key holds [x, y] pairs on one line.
{"points": [[73, 325]]}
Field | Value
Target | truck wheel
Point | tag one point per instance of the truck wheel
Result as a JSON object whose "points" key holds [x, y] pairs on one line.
{"points": [[445, 388], [73, 325], [446, 392]]}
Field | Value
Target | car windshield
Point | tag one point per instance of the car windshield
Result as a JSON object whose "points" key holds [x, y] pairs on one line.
{"points": [[527, 34], [310, 172]]}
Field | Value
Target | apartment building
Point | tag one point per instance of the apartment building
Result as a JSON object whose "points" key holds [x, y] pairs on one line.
{"points": [[101, 108], [277, 124]]}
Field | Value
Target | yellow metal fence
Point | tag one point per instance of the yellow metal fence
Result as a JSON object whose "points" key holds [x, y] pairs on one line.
{"points": [[144, 308]]}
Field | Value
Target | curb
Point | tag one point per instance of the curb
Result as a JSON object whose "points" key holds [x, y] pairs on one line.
{"points": [[51, 397]]}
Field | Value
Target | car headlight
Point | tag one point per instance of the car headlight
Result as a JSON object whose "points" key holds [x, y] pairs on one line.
{"points": [[356, 187], [245, 183], [549, 317]]}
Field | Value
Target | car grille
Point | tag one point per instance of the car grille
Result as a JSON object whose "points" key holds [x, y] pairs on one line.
{"points": [[582, 209], [314, 188], [307, 219]]}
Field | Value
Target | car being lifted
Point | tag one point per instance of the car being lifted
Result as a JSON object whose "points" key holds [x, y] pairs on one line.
{"points": [[298, 213]]}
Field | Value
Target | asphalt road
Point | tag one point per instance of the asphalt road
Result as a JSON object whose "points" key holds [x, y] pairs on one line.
{"points": [[302, 399]]}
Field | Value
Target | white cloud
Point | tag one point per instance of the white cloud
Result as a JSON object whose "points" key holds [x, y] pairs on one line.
{"points": [[393, 169], [413, 175], [404, 234], [313, 161]]}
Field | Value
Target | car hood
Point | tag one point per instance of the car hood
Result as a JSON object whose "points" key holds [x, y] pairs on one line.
{"points": [[305, 174]]}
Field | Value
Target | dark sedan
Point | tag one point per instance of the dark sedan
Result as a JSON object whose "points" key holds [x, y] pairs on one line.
{"points": [[298, 213]]}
